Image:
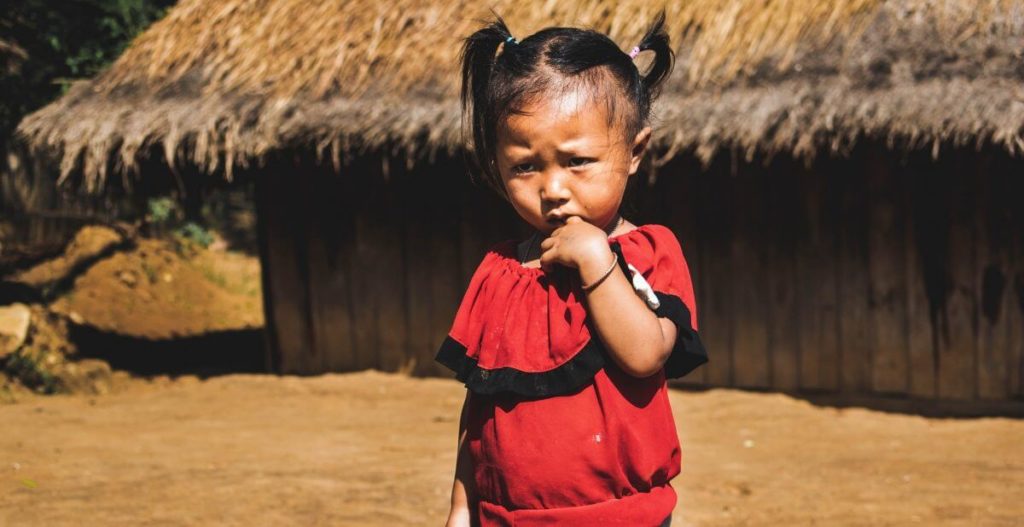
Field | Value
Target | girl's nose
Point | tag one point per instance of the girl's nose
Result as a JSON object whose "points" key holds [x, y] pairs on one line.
{"points": [[554, 188]]}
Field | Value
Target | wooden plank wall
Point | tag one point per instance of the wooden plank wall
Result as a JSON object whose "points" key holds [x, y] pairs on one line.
{"points": [[874, 274]]}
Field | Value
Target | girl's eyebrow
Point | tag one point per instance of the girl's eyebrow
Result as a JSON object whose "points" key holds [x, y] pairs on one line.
{"points": [[518, 146], [519, 143], [575, 145]]}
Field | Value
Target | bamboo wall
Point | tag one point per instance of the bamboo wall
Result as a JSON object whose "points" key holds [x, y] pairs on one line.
{"points": [[882, 273]]}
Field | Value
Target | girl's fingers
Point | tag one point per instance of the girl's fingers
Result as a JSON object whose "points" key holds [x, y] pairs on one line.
{"points": [[545, 261], [549, 255], [548, 242], [573, 219]]}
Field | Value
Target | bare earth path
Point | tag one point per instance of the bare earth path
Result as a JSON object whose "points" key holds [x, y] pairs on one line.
{"points": [[377, 449]]}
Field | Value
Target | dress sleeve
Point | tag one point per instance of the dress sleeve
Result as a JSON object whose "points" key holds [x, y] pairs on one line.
{"points": [[452, 352], [658, 258]]}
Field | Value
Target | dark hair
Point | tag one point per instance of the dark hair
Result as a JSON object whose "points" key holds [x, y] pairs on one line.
{"points": [[493, 84]]}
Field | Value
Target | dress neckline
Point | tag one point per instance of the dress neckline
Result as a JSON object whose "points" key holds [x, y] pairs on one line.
{"points": [[511, 260]]}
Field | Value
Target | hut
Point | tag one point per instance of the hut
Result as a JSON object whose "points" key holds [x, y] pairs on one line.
{"points": [[844, 177]]}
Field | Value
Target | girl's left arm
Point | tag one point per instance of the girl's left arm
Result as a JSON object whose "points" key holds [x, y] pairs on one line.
{"points": [[638, 340]]}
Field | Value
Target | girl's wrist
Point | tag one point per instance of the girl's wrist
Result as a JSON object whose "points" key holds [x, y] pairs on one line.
{"points": [[596, 267]]}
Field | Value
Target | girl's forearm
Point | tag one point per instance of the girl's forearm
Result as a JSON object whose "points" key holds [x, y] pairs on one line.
{"points": [[461, 487], [463, 495], [634, 336]]}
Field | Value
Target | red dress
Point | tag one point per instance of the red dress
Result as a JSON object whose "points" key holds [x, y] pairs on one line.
{"points": [[558, 434]]}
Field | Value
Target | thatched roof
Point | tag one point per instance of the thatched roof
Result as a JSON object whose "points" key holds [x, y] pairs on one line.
{"points": [[221, 84]]}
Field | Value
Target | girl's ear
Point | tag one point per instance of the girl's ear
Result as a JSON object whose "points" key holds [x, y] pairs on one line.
{"points": [[639, 149]]}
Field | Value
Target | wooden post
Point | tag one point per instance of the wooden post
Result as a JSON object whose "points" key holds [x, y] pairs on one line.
{"points": [[750, 292], [1015, 314], [957, 351], [856, 330], [378, 279], [329, 199], [926, 263], [817, 288], [284, 267], [782, 219], [887, 268], [993, 275], [715, 218]]}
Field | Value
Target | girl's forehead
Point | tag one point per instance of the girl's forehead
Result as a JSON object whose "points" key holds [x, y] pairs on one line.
{"points": [[563, 115], [554, 104]]}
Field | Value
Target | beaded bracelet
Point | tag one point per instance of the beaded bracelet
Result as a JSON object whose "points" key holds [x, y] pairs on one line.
{"points": [[615, 260]]}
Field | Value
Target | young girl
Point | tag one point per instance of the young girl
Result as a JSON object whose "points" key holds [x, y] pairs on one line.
{"points": [[564, 341]]}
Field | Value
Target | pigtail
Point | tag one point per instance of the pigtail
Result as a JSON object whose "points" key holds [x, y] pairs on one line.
{"points": [[656, 39], [477, 58]]}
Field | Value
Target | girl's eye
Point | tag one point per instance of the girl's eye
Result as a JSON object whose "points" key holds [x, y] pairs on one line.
{"points": [[579, 161], [522, 168]]}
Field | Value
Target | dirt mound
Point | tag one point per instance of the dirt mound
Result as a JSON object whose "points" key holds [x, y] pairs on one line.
{"points": [[90, 244], [110, 282], [161, 289]]}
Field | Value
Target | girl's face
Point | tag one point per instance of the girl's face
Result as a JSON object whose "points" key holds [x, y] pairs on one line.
{"points": [[560, 158]]}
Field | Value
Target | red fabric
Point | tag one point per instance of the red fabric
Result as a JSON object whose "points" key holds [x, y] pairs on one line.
{"points": [[603, 455]]}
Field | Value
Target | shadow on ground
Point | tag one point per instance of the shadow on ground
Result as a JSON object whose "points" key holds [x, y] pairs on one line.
{"points": [[217, 353]]}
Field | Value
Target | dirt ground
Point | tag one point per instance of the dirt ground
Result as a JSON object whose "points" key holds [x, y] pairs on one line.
{"points": [[377, 449]]}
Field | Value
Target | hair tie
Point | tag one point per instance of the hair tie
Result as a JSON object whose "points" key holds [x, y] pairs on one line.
{"points": [[511, 40], [635, 52]]}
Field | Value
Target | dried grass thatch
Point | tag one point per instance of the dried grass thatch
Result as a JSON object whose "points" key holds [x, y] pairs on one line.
{"points": [[221, 84]]}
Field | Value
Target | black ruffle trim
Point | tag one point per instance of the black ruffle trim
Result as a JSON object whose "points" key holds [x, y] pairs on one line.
{"points": [[688, 352], [565, 379]]}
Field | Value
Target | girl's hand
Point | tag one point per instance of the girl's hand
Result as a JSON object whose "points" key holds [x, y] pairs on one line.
{"points": [[575, 244]]}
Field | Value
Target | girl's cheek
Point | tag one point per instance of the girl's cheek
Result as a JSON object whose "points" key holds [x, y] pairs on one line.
{"points": [[520, 196], [514, 186]]}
